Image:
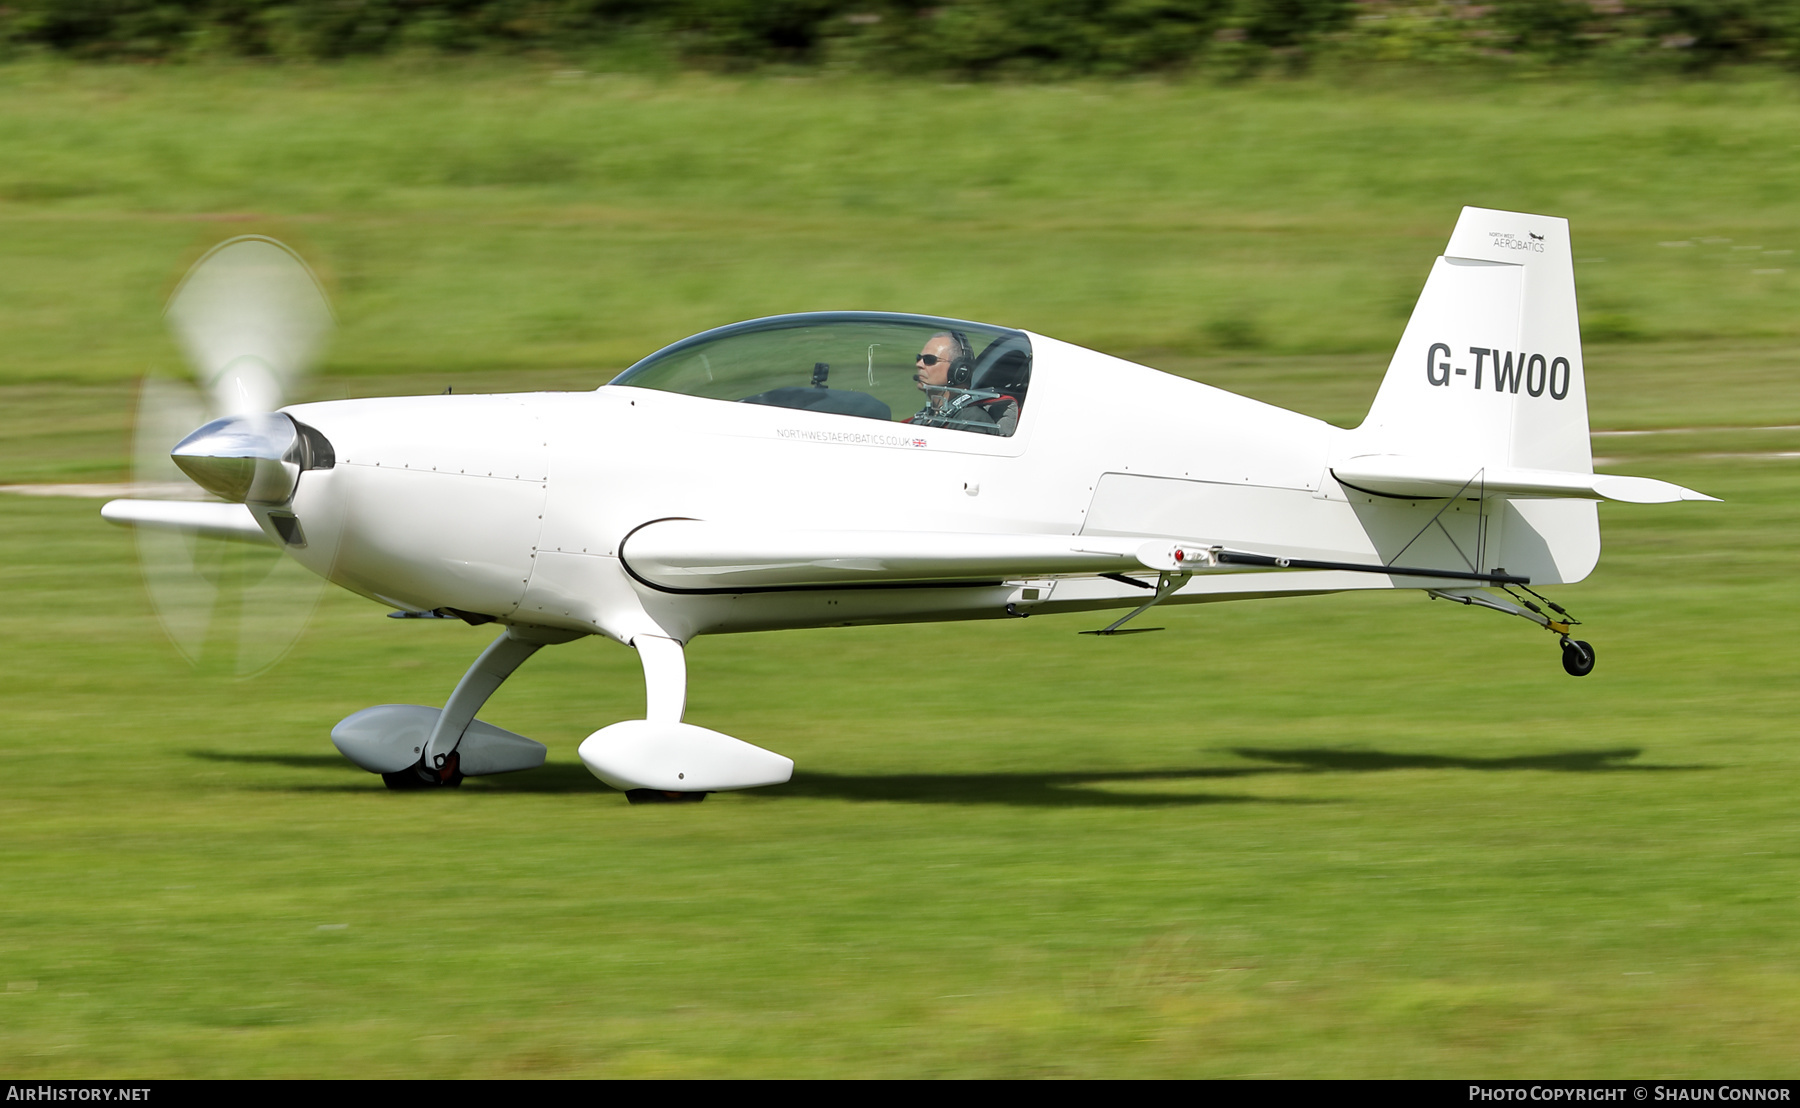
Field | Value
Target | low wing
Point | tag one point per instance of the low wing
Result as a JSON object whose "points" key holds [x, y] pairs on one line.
{"points": [[1397, 475], [688, 555], [198, 517], [685, 555]]}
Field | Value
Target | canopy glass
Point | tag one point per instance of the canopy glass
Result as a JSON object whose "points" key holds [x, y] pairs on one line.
{"points": [[873, 365]]}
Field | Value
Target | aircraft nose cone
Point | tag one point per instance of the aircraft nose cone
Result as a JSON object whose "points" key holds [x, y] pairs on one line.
{"points": [[244, 458]]}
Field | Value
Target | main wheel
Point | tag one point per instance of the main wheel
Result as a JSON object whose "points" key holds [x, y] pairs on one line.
{"points": [[657, 796], [1578, 658], [417, 777]]}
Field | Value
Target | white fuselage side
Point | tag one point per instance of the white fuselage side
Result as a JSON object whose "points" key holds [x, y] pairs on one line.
{"points": [[514, 506]]}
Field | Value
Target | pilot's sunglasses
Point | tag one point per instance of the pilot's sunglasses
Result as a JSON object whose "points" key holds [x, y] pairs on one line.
{"points": [[930, 359]]}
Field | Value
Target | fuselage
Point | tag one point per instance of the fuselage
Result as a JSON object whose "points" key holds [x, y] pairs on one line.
{"points": [[857, 467], [515, 506]]}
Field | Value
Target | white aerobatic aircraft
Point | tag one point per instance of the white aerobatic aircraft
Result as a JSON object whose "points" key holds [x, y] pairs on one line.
{"points": [[854, 468]]}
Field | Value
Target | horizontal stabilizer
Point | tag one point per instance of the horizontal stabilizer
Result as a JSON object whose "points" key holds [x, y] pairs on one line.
{"points": [[195, 517], [1398, 476], [684, 555]]}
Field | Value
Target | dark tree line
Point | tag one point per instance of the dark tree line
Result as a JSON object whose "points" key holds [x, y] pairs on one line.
{"points": [[951, 37]]}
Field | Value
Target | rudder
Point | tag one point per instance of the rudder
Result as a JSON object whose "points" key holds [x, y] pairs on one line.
{"points": [[1489, 369], [1488, 375]]}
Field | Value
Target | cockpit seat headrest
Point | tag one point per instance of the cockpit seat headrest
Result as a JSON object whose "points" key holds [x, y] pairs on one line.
{"points": [[1006, 370]]}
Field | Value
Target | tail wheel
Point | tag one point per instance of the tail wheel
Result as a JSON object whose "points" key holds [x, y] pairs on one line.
{"points": [[1577, 657]]}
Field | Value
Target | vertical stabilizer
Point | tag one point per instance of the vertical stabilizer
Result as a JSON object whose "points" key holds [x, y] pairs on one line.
{"points": [[1488, 374], [1488, 371]]}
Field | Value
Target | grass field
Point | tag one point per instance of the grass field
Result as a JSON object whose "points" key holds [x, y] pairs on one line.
{"points": [[1352, 836]]}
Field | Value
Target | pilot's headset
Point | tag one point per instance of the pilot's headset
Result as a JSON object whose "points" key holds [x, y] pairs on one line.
{"points": [[962, 361]]}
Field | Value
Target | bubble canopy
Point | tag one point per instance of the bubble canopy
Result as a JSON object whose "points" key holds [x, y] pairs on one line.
{"points": [[972, 377]]}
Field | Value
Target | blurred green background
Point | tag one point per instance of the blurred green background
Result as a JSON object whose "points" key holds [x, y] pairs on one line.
{"points": [[1352, 836], [967, 38]]}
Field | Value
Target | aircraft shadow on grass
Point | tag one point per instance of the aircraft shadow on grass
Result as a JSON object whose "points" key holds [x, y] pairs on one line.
{"points": [[1033, 790], [1339, 760], [1027, 790], [1045, 790]]}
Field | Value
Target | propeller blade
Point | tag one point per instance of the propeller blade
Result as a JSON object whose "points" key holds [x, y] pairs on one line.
{"points": [[250, 316], [181, 594], [275, 601]]}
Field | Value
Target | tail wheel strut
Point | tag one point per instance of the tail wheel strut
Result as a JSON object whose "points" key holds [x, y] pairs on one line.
{"points": [[1577, 656]]}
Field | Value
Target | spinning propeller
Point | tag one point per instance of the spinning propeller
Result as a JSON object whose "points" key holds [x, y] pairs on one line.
{"points": [[251, 318]]}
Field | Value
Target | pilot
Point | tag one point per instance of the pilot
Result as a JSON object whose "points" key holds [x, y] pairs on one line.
{"points": [[943, 371]]}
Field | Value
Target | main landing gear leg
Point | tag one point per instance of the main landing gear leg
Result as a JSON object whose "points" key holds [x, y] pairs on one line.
{"points": [[439, 765], [665, 700], [659, 759], [413, 746], [1577, 656], [665, 678]]}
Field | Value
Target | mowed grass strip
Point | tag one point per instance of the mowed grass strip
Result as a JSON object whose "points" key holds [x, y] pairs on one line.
{"points": [[1359, 835]]}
